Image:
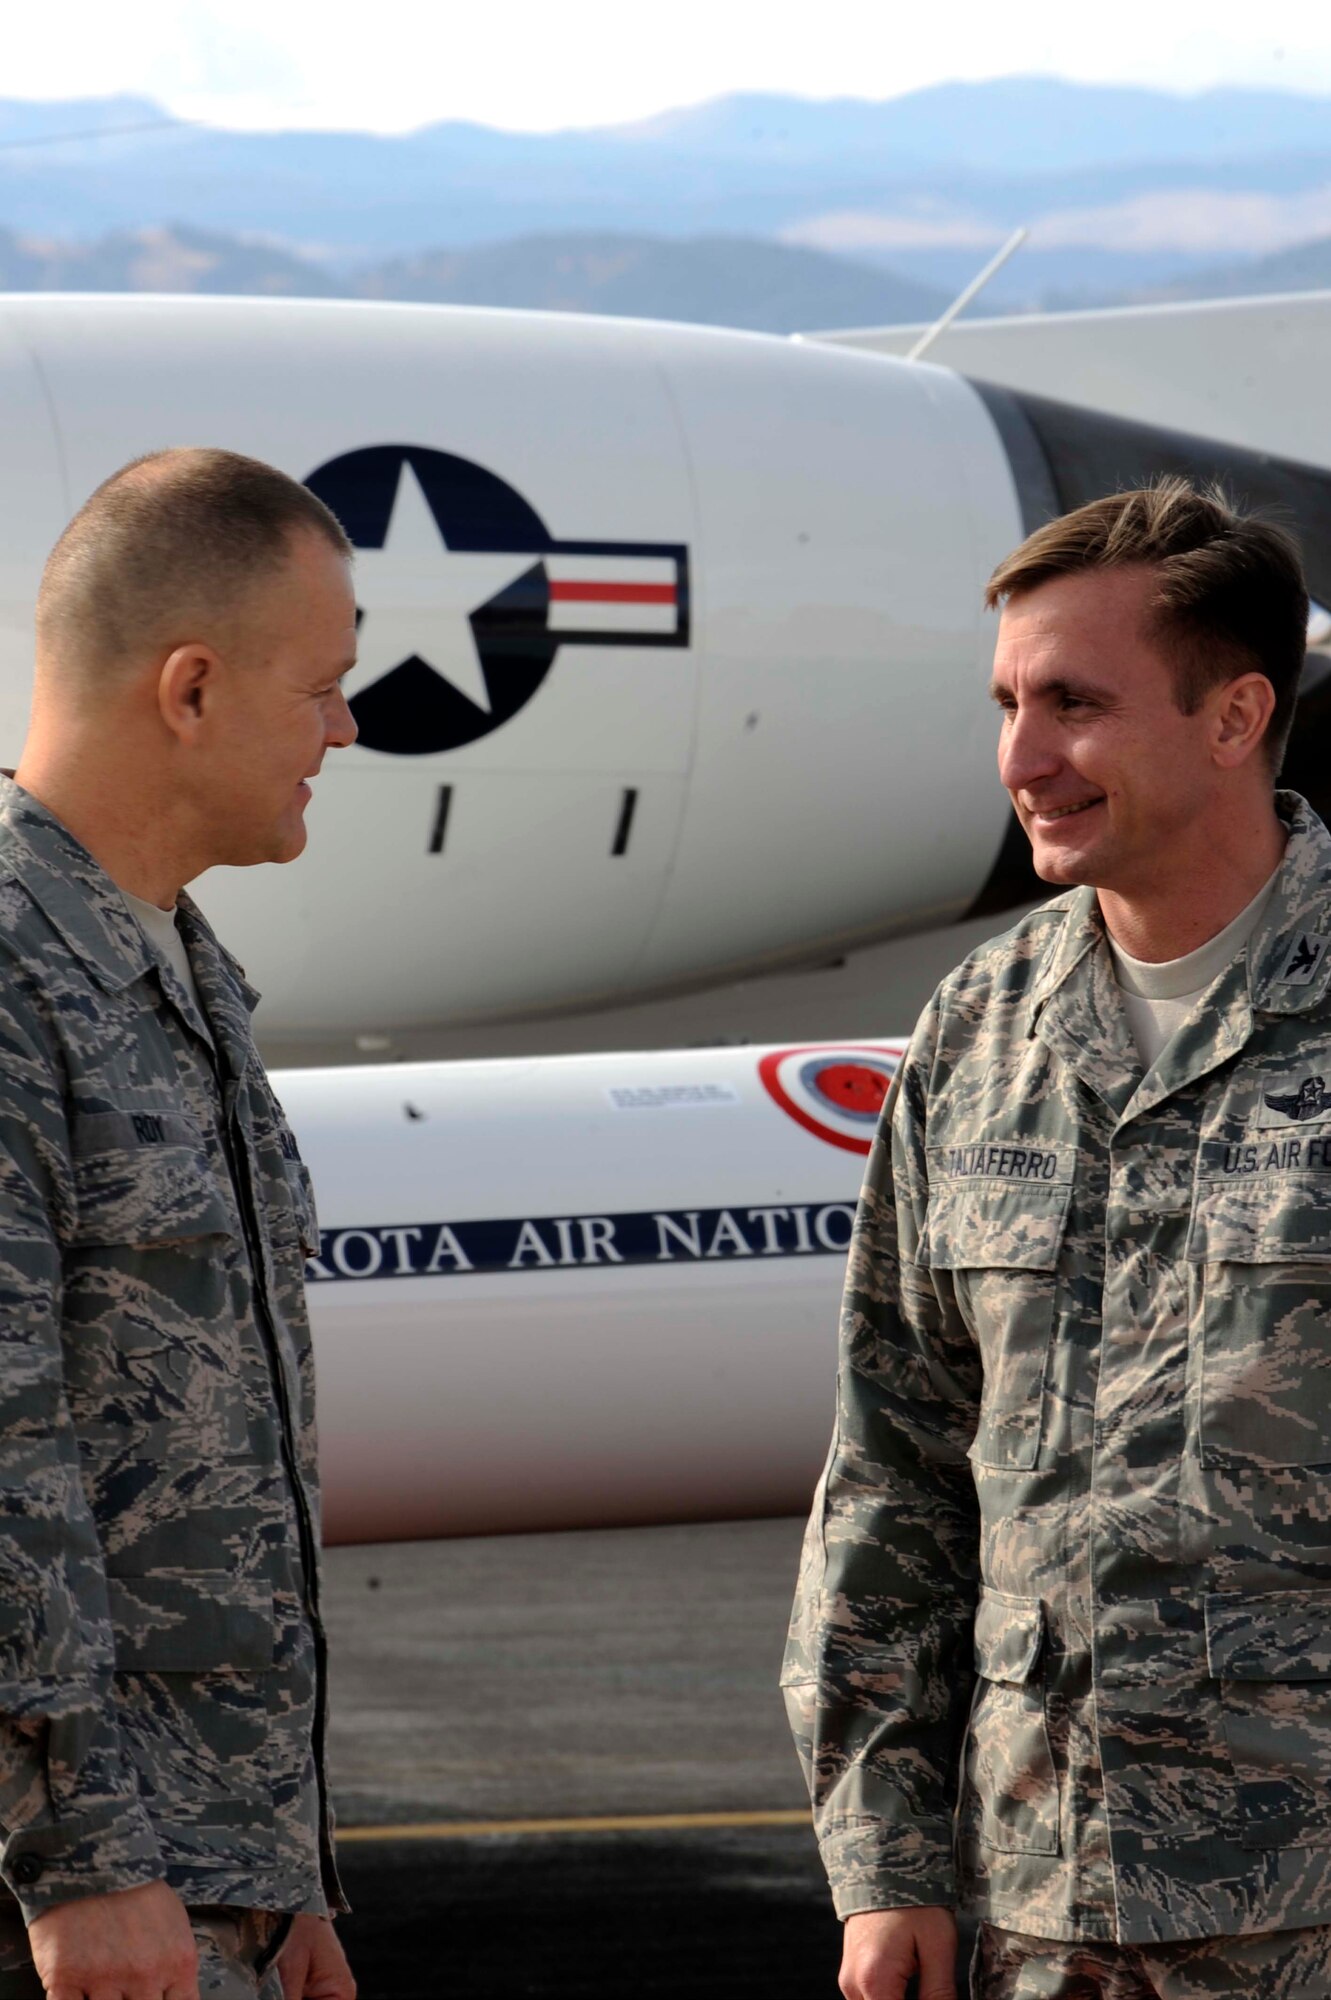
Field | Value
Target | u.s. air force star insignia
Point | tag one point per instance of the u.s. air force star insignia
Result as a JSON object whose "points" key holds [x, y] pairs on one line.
{"points": [[1305, 956], [1309, 1101]]}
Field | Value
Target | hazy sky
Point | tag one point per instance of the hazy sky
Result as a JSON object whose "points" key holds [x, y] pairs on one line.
{"points": [[537, 64]]}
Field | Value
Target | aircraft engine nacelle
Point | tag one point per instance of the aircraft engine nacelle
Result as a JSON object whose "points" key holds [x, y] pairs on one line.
{"points": [[580, 1290]]}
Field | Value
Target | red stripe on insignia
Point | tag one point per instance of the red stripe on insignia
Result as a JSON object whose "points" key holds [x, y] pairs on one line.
{"points": [[612, 593]]}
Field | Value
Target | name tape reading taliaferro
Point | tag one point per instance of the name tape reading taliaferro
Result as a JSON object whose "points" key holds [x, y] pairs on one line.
{"points": [[546, 1243]]}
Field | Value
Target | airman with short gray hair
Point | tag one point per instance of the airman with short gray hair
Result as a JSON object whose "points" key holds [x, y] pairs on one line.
{"points": [[163, 1701]]}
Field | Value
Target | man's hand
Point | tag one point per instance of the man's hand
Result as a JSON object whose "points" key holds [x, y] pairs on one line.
{"points": [[883, 1948], [135, 1943], [313, 1964]]}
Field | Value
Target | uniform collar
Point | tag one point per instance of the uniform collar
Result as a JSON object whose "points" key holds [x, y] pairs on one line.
{"points": [[84, 905], [1289, 955], [1283, 978], [1076, 1007], [1081, 930], [73, 891], [226, 995]]}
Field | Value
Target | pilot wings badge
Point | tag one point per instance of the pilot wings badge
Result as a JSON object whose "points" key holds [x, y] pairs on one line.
{"points": [[1309, 1101]]}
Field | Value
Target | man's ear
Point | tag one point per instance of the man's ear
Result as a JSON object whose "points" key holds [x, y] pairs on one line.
{"points": [[186, 685], [1243, 711]]}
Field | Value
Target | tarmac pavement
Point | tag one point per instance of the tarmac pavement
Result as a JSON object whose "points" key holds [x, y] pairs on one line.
{"points": [[712, 1916], [569, 1678]]}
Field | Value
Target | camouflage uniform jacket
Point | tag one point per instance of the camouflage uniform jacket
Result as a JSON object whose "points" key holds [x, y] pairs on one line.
{"points": [[161, 1655], [1069, 1567]]}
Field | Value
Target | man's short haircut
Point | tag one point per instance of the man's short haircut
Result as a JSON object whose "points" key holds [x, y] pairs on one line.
{"points": [[167, 550], [1229, 598]]}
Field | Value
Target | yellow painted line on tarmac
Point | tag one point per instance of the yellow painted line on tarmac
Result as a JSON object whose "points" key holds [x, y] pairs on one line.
{"points": [[485, 1829]]}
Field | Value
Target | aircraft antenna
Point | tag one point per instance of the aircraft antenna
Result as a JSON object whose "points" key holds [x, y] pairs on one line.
{"points": [[973, 290]]}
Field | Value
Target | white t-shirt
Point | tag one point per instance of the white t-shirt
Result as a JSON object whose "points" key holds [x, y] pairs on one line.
{"points": [[1158, 998], [164, 932]]}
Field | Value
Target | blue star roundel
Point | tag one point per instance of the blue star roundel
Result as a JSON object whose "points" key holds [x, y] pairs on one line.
{"points": [[463, 596]]}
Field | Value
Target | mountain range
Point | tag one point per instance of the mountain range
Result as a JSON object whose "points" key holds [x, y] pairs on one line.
{"points": [[754, 209], [1304, 267], [768, 287]]}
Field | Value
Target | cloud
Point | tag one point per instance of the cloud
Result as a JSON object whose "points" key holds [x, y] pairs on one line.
{"points": [[527, 64], [223, 59], [856, 229], [1203, 221], [1198, 221]]}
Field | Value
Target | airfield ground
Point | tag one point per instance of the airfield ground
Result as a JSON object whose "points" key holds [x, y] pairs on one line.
{"points": [[569, 1679]]}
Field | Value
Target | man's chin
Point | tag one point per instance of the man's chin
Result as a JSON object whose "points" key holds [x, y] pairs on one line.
{"points": [[283, 844], [1064, 867], [293, 842]]}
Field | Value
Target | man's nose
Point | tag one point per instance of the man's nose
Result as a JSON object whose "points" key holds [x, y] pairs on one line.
{"points": [[1027, 751], [342, 729]]}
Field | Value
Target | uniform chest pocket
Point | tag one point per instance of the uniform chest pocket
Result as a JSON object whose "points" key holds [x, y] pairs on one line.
{"points": [[1002, 1244], [144, 1177], [1261, 1251]]}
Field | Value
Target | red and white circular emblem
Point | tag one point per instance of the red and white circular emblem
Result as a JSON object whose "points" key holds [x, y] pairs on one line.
{"points": [[834, 1092]]}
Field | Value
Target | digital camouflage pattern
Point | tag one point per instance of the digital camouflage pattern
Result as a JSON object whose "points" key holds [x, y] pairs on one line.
{"points": [[162, 1680], [1277, 1965], [1069, 1565]]}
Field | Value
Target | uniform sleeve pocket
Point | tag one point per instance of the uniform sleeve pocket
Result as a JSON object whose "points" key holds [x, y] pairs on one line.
{"points": [[1271, 1655], [1002, 1241], [1010, 1798], [154, 1365], [144, 1177]]}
